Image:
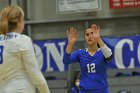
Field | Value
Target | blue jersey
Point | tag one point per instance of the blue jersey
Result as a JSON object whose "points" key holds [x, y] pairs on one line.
{"points": [[93, 69]]}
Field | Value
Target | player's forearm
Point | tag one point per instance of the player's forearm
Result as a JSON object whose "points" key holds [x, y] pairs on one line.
{"points": [[38, 79], [34, 72], [66, 57], [106, 51], [43, 88], [104, 48], [100, 42], [69, 48]]}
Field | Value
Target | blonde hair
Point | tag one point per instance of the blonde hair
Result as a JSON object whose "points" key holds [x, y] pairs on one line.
{"points": [[9, 18]]}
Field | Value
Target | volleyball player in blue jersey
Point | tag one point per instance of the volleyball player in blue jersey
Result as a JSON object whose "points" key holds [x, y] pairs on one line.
{"points": [[93, 60]]}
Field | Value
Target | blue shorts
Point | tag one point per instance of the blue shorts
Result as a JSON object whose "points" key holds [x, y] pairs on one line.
{"points": [[93, 91]]}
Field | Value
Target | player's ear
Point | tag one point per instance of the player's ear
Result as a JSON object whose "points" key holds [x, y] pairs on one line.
{"points": [[20, 22]]}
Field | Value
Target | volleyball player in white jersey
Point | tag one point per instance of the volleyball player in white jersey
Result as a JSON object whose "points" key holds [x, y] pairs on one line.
{"points": [[19, 71]]}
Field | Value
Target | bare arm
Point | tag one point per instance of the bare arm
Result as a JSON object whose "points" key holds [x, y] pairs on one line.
{"points": [[104, 48], [72, 37]]}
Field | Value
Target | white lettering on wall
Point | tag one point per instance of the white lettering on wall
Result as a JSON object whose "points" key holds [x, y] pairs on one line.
{"points": [[52, 50], [118, 53], [138, 53]]}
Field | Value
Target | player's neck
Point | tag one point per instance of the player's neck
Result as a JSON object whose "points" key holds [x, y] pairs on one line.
{"points": [[92, 50], [17, 30]]}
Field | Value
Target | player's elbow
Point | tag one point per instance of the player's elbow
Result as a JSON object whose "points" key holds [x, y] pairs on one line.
{"points": [[109, 58], [65, 61]]}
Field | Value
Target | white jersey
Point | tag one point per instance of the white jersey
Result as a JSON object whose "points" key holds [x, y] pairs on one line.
{"points": [[17, 60]]}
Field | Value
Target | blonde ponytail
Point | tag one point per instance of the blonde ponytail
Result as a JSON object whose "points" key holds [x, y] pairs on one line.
{"points": [[3, 23], [9, 18], [3, 27]]}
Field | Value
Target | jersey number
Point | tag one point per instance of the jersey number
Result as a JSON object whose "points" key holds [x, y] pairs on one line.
{"points": [[1, 56], [91, 68]]}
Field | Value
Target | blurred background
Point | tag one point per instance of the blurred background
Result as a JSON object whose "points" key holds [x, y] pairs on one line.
{"points": [[48, 20]]}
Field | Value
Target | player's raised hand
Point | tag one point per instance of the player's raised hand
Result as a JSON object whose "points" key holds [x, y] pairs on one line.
{"points": [[72, 35], [96, 31]]}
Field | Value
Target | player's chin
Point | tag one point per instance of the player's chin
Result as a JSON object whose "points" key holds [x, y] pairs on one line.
{"points": [[90, 43]]}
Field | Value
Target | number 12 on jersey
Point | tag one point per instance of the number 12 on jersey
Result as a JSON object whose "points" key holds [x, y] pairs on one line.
{"points": [[91, 68], [1, 56]]}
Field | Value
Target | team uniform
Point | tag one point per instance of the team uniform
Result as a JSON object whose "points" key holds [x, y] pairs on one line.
{"points": [[19, 71], [93, 69]]}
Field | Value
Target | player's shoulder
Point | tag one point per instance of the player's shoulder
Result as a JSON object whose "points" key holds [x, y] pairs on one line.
{"points": [[80, 51], [22, 36], [22, 40]]}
